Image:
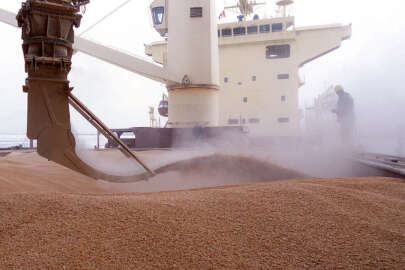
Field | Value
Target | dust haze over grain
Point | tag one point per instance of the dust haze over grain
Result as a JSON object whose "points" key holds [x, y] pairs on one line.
{"points": [[59, 219], [234, 158]]}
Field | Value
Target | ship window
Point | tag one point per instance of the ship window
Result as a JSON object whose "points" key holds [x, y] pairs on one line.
{"points": [[233, 121], [283, 120], [238, 31], [278, 51], [252, 29], [264, 28], [225, 79], [127, 135], [226, 32], [277, 27], [254, 120], [254, 78], [196, 12], [245, 100], [283, 98], [158, 15], [283, 76]]}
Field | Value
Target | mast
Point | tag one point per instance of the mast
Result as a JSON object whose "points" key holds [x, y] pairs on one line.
{"points": [[245, 7]]}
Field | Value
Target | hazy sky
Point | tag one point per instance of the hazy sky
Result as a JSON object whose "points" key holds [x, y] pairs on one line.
{"points": [[369, 65]]}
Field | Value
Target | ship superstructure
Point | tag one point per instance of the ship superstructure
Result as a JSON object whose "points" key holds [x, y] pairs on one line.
{"points": [[259, 61], [261, 57]]}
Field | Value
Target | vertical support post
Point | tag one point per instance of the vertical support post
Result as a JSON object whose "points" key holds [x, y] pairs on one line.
{"points": [[98, 140], [193, 59]]}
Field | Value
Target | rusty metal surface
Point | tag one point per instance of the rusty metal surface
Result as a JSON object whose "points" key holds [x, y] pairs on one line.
{"points": [[48, 36]]}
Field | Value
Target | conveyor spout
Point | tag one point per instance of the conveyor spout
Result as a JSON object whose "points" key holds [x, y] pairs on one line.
{"points": [[48, 36]]}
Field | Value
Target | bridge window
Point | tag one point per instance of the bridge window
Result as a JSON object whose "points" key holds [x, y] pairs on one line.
{"points": [[283, 98], [277, 27], [196, 12], [233, 121], [278, 51], [238, 31], [158, 15], [284, 120], [283, 76], [252, 29], [254, 121], [227, 32], [264, 28], [225, 79], [254, 78], [245, 100]]}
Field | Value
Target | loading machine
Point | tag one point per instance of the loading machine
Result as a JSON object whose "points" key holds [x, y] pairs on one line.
{"points": [[191, 79]]}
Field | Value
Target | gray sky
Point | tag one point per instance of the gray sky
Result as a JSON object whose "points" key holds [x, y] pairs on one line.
{"points": [[369, 65]]}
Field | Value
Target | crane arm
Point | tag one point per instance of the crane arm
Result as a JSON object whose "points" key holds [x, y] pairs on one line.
{"points": [[8, 17], [231, 7], [124, 60], [130, 62]]}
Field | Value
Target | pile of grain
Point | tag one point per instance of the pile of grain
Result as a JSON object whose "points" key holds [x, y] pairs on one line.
{"points": [[242, 167], [28, 172], [52, 218], [208, 171], [298, 224]]}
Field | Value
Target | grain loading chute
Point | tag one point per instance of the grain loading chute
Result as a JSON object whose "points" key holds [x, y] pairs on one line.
{"points": [[48, 35]]}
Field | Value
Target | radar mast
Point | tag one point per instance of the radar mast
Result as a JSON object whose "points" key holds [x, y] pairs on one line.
{"points": [[245, 7]]}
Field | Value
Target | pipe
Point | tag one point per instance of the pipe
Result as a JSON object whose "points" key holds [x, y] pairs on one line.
{"points": [[382, 166]]}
